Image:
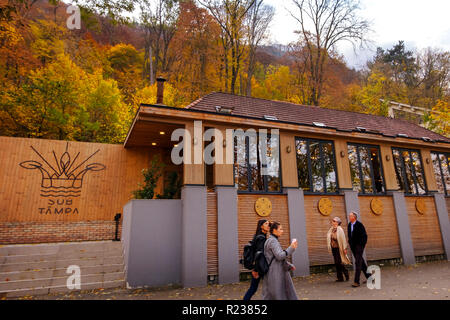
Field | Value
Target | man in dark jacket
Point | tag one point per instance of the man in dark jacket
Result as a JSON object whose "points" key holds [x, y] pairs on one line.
{"points": [[357, 239]]}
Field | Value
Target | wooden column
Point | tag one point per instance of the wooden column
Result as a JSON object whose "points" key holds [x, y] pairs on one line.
{"points": [[194, 171], [387, 160], [223, 173], [428, 169], [343, 165], [288, 157]]}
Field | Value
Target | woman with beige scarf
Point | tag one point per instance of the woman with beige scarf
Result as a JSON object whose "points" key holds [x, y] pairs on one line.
{"points": [[337, 244]]}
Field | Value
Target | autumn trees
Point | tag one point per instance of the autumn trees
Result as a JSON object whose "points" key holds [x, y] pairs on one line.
{"points": [[323, 24], [87, 84]]}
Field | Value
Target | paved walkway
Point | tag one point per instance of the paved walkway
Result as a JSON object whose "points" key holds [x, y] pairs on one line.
{"points": [[423, 281]]}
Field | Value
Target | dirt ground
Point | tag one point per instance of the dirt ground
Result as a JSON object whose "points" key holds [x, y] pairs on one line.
{"points": [[421, 281]]}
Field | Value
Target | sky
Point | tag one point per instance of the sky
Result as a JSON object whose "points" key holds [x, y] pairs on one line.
{"points": [[420, 23]]}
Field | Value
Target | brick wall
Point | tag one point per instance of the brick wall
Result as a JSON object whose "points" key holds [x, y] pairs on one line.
{"points": [[248, 218], [39, 232]]}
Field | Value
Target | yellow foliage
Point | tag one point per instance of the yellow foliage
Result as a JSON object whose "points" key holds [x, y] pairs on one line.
{"points": [[441, 117]]}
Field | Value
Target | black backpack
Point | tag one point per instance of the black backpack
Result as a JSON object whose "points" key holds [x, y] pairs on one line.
{"points": [[261, 265], [249, 256], [255, 260]]}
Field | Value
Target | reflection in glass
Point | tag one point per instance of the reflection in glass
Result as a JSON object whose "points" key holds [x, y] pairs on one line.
{"points": [[250, 162], [354, 168], [365, 162], [409, 171], [316, 166], [240, 164], [417, 164], [445, 164], [302, 165], [442, 171], [398, 169], [377, 172], [437, 172], [330, 174], [410, 188], [364, 157]]}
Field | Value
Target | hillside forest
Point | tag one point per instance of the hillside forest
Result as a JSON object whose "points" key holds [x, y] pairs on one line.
{"points": [[86, 83]]}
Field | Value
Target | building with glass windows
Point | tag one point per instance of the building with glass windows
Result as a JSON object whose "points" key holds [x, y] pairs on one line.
{"points": [[299, 165]]}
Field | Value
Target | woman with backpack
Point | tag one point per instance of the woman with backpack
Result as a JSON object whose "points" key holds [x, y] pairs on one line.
{"points": [[278, 283], [258, 241]]}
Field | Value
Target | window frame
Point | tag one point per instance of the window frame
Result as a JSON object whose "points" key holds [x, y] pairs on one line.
{"points": [[413, 171], [372, 174], [247, 162], [322, 163], [447, 156]]}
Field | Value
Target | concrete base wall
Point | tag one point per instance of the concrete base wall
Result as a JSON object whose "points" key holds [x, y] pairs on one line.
{"points": [[151, 238]]}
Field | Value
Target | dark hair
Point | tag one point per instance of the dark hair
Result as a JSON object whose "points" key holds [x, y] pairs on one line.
{"points": [[274, 226], [258, 228]]}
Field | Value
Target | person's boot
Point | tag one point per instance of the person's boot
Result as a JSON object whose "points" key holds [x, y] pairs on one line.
{"points": [[355, 285]]}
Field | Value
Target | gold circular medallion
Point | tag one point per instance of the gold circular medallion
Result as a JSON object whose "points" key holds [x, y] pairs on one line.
{"points": [[377, 206], [263, 207], [421, 207], [325, 206]]}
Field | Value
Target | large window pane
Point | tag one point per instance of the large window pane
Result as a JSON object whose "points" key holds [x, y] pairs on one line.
{"points": [[302, 165], [442, 171], [377, 171], [409, 171], [398, 163], [445, 163], [437, 172], [316, 166], [365, 169], [365, 165], [256, 179], [273, 164], [354, 167], [410, 187], [420, 179], [240, 164], [330, 174], [255, 171]]}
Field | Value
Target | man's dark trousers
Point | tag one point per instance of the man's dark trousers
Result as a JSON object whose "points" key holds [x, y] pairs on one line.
{"points": [[357, 240], [360, 264]]}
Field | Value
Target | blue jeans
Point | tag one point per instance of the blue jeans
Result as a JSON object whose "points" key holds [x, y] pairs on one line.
{"points": [[253, 287]]}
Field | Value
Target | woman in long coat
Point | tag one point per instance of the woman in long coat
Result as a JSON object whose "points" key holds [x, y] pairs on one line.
{"points": [[277, 283], [337, 245]]}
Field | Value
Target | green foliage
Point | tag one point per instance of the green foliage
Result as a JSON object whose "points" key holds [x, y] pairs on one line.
{"points": [[172, 188], [151, 176]]}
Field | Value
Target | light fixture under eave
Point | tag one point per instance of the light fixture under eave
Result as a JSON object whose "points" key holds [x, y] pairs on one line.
{"points": [[426, 139], [153, 143], [162, 133], [403, 135], [361, 129]]}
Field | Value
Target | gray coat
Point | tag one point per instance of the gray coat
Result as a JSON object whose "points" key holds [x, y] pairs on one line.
{"points": [[277, 283]]}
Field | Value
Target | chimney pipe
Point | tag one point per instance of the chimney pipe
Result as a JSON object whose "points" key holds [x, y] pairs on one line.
{"points": [[160, 90]]}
